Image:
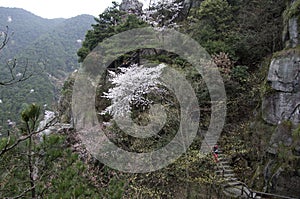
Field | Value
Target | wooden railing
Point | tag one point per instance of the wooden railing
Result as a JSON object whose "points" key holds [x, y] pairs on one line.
{"points": [[253, 194]]}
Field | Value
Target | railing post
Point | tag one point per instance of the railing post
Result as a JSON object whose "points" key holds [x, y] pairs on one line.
{"points": [[242, 190], [223, 171]]}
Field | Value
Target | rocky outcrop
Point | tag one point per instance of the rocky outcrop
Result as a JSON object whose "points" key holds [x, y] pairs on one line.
{"points": [[281, 108], [291, 35], [50, 125], [65, 100], [283, 99], [294, 32], [281, 136], [283, 103], [131, 6], [284, 73]]}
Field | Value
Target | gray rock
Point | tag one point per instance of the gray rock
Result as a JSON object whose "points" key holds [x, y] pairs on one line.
{"points": [[273, 149], [291, 32], [188, 4], [281, 106], [267, 170], [284, 73], [284, 102], [131, 6], [294, 32], [297, 153], [288, 142], [281, 135], [285, 183]]}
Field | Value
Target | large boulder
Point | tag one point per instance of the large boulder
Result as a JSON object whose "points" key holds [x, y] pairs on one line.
{"points": [[283, 103], [281, 106], [131, 6], [284, 73]]}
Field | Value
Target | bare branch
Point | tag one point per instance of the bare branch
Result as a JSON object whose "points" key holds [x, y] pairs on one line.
{"points": [[15, 78], [23, 193], [12, 64], [4, 36], [8, 147]]}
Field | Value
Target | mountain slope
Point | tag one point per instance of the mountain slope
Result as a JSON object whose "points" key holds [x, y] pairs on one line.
{"points": [[48, 47], [26, 26], [57, 48]]}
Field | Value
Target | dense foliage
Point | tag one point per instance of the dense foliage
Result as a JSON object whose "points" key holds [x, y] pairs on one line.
{"points": [[238, 34], [246, 30], [112, 21]]}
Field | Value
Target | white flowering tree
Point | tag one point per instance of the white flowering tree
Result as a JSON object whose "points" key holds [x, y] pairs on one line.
{"points": [[163, 13], [131, 87]]}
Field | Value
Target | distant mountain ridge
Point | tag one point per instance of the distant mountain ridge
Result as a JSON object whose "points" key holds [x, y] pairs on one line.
{"points": [[26, 26], [49, 46]]}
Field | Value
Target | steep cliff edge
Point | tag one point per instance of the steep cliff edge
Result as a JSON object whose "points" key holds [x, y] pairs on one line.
{"points": [[280, 167]]}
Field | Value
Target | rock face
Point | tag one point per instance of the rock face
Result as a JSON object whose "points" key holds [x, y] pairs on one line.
{"points": [[281, 136], [131, 6], [284, 101], [281, 108], [284, 73], [294, 32], [291, 34]]}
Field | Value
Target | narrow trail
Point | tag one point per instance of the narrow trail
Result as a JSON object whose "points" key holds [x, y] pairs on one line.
{"points": [[231, 185]]}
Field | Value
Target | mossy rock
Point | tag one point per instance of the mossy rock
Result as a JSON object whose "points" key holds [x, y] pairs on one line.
{"points": [[287, 52], [292, 10]]}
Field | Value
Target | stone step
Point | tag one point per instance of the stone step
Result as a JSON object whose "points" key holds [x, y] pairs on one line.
{"points": [[229, 175], [225, 171], [210, 143], [225, 167], [247, 192], [230, 179], [232, 184], [223, 161]]}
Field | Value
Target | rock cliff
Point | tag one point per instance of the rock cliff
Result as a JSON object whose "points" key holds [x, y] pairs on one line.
{"points": [[283, 102], [281, 109]]}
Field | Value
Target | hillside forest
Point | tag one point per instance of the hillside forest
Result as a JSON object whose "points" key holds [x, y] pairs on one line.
{"points": [[45, 65]]}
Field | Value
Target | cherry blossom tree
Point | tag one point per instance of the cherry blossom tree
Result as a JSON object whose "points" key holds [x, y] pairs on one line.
{"points": [[131, 87], [163, 13]]}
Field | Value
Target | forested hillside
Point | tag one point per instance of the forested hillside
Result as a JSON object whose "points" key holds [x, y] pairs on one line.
{"points": [[46, 48], [252, 45], [26, 26]]}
